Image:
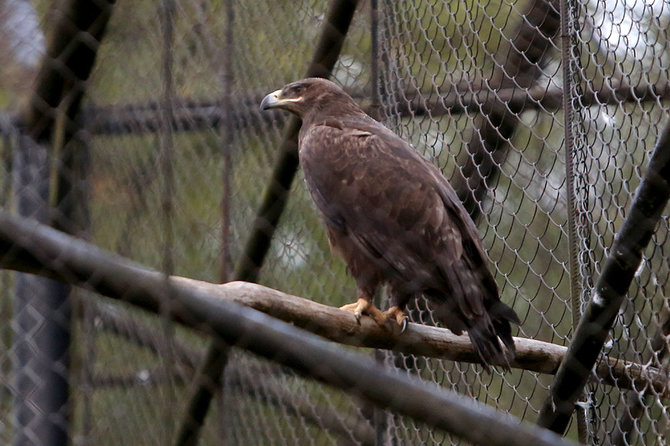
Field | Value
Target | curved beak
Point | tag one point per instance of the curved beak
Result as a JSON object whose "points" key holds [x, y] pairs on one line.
{"points": [[272, 100]]}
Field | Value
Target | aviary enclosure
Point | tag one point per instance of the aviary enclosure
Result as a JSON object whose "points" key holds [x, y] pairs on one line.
{"points": [[134, 127]]}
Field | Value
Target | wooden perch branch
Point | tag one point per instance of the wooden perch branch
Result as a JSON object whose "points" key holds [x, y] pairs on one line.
{"points": [[340, 326], [330, 322], [28, 246]]}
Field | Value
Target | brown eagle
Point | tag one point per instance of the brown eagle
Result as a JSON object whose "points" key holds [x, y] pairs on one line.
{"points": [[395, 219]]}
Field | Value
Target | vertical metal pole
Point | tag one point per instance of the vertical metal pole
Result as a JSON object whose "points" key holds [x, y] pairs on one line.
{"points": [[227, 142], [166, 143], [79, 147], [7, 143], [568, 117], [227, 192], [375, 57], [380, 417], [88, 356], [573, 242], [167, 192], [41, 327]]}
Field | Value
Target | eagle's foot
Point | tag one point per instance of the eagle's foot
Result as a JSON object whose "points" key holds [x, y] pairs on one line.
{"points": [[396, 314], [365, 307]]}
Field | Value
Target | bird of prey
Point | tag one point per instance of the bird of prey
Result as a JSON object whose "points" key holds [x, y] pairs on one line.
{"points": [[395, 219]]}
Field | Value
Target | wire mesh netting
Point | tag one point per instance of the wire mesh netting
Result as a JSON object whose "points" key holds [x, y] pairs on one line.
{"points": [[167, 161]]}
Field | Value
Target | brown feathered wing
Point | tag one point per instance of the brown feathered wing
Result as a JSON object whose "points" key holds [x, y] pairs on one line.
{"points": [[385, 205]]}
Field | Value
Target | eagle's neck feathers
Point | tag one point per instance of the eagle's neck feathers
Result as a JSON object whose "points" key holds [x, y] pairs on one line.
{"points": [[328, 110]]}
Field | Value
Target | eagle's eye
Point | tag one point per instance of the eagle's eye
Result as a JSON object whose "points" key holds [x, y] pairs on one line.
{"points": [[297, 89]]}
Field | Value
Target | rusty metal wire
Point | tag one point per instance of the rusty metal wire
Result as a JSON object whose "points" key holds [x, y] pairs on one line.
{"points": [[174, 140]]}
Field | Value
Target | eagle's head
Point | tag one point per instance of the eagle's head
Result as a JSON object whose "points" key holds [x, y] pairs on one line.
{"points": [[309, 96]]}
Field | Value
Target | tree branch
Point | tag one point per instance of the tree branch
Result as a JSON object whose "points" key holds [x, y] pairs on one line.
{"points": [[31, 247], [340, 326], [323, 320]]}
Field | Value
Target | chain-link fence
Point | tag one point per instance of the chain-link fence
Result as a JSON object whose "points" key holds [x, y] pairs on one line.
{"points": [[135, 125]]}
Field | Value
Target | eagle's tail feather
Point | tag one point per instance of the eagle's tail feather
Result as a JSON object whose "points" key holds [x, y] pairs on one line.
{"points": [[470, 301], [487, 332], [487, 345], [502, 316]]}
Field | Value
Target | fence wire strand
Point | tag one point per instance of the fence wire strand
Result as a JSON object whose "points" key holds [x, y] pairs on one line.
{"points": [[172, 140]]}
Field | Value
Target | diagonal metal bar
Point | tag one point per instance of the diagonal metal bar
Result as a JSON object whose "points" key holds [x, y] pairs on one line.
{"points": [[275, 197], [40, 248], [618, 272]]}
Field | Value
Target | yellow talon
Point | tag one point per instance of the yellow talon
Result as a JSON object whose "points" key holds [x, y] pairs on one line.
{"points": [[398, 315], [365, 307]]}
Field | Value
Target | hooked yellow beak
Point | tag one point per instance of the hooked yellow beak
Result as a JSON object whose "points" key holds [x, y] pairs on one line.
{"points": [[274, 100], [271, 100]]}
